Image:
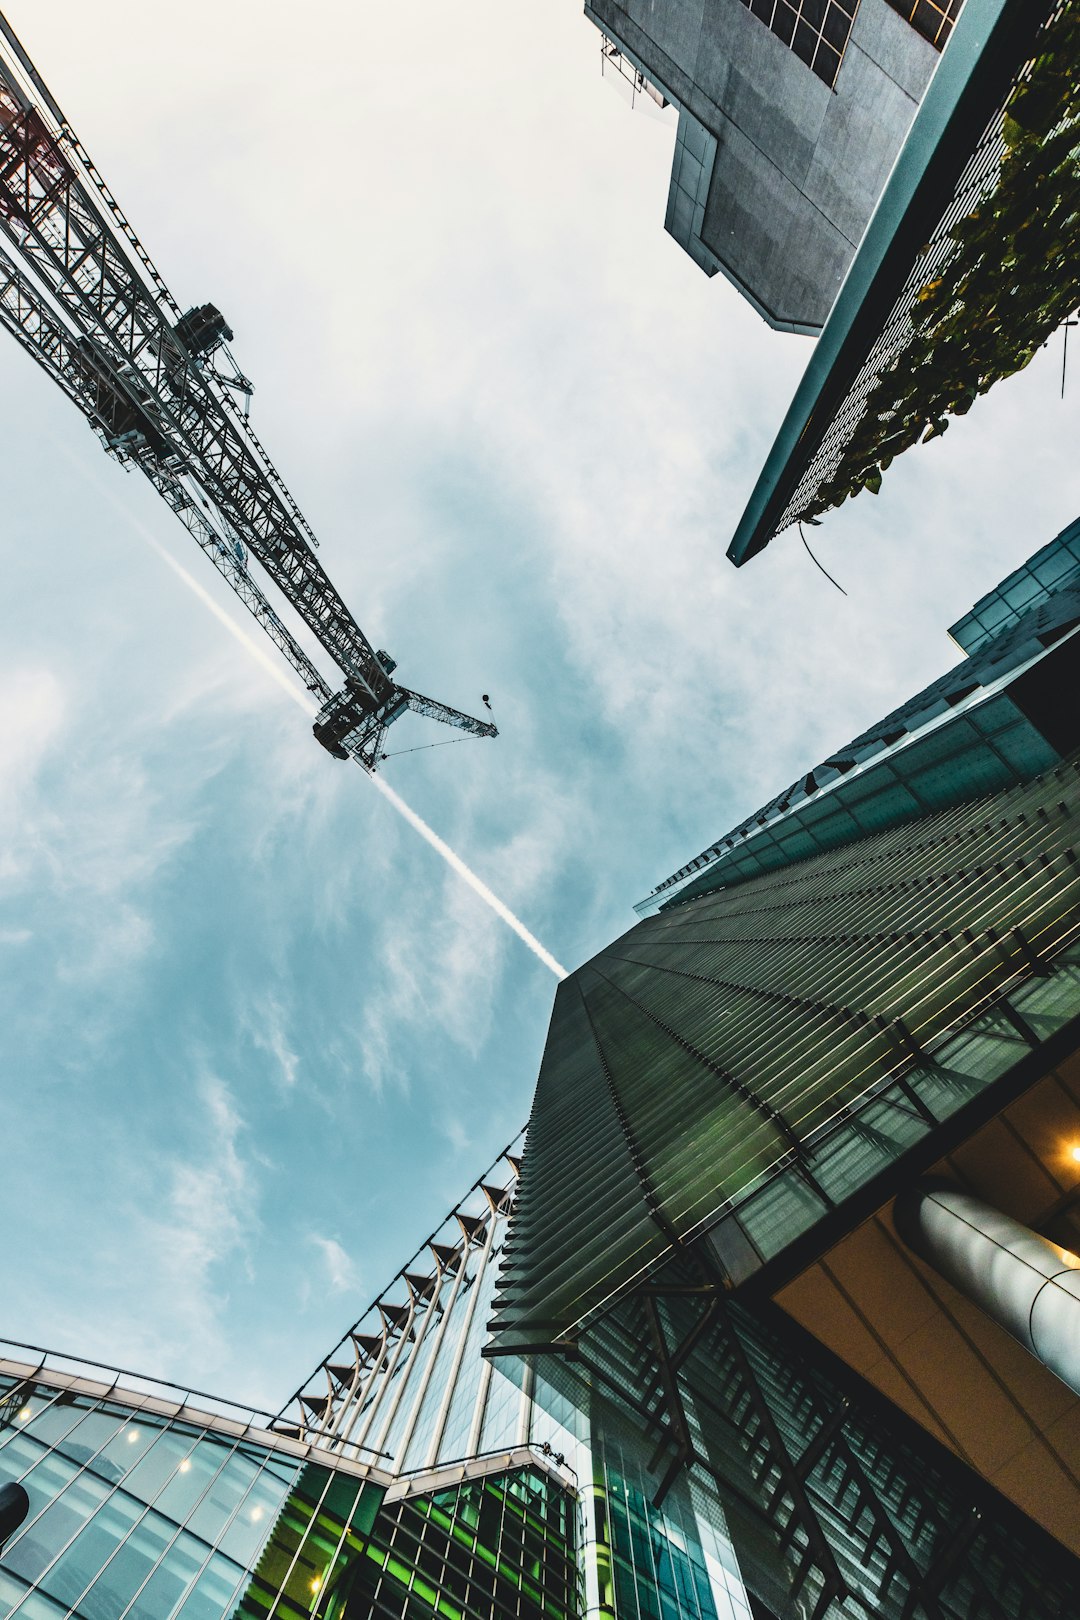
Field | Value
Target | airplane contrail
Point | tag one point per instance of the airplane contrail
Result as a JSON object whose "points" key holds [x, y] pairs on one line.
{"points": [[304, 700], [499, 907]]}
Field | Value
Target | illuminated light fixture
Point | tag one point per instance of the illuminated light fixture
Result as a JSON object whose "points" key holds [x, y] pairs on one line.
{"points": [[25, 1414], [185, 1465], [316, 1583], [1074, 1153], [256, 1513], [133, 1434]]}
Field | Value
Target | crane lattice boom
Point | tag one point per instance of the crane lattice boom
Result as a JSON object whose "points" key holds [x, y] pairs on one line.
{"points": [[163, 393]]}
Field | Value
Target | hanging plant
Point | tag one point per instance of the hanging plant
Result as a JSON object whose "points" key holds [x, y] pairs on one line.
{"points": [[1011, 279]]}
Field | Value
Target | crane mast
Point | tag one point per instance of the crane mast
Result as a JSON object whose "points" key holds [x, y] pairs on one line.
{"points": [[162, 391]]}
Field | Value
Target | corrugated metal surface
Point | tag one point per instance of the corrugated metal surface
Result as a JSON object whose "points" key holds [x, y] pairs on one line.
{"points": [[724, 1045]]}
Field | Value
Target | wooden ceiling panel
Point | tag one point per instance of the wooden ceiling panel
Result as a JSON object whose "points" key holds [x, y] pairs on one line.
{"points": [[926, 1347]]}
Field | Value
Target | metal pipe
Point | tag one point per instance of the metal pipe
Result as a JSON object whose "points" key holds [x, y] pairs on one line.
{"points": [[1027, 1284]]}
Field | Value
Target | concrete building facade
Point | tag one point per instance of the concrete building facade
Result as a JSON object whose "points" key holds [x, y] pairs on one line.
{"points": [[791, 113]]}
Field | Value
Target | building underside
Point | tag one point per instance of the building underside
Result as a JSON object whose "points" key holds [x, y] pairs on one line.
{"points": [[965, 270]]}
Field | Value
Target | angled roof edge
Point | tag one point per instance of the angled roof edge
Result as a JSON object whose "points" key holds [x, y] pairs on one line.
{"points": [[975, 71], [995, 664]]}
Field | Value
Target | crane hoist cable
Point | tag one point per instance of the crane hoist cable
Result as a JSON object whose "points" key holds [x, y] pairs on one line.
{"points": [[421, 748]]}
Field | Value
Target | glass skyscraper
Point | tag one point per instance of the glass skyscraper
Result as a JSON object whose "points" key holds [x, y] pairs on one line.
{"points": [[410, 1378], [803, 1162]]}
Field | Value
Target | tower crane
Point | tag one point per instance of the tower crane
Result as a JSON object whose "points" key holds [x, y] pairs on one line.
{"points": [[161, 389]]}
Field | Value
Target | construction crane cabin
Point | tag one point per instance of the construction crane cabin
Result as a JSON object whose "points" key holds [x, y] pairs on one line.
{"points": [[162, 391]]}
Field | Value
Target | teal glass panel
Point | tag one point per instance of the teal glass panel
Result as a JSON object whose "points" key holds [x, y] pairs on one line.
{"points": [[406, 1388], [93, 1431], [997, 714], [502, 1410], [658, 1560], [779, 1212], [966, 774], [1021, 590], [223, 1495], [1047, 1003], [102, 1540], [129, 1568], [885, 807], [138, 1516], [212, 1595], [451, 1329], [190, 1482], [49, 1422], [48, 1531], [21, 1453], [127, 1446], [171, 1452], [797, 845], [253, 1512], [1054, 568], [39, 1606], [1025, 750], [170, 1579], [460, 1414]]}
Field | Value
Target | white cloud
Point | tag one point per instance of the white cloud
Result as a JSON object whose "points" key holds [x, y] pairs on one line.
{"points": [[207, 1209], [457, 1134], [107, 950], [33, 704], [86, 828], [198, 1236], [341, 1272], [165, 1248], [267, 1026]]}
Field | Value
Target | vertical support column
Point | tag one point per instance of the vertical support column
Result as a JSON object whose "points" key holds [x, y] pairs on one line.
{"points": [[1027, 1284]]}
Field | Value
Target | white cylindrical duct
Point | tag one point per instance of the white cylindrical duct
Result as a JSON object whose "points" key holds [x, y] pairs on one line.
{"points": [[1027, 1284]]}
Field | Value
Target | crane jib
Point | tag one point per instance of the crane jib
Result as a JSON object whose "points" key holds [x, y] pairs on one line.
{"points": [[159, 386]]}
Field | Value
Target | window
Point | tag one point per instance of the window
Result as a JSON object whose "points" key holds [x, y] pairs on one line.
{"points": [[816, 30], [933, 19]]}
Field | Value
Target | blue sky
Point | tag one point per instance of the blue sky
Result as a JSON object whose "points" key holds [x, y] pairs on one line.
{"points": [[255, 1037]]}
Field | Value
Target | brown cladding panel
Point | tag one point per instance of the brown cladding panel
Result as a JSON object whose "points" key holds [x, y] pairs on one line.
{"points": [[938, 1357]]}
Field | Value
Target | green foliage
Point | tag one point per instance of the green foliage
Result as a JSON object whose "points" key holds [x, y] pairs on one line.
{"points": [[1012, 278]]}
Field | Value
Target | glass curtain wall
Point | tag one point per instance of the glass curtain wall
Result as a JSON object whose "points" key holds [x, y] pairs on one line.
{"points": [[420, 1387], [136, 1515], [832, 1503], [494, 1548]]}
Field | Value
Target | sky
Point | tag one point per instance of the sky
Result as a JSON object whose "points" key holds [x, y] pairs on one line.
{"points": [[256, 1037]]}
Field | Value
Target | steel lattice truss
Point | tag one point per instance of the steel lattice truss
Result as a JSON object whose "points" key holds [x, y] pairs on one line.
{"points": [[349, 1398], [160, 388]]}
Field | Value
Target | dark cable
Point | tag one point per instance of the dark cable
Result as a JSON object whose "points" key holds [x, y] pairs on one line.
{"points": [[420, 749], [816, 564]]}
